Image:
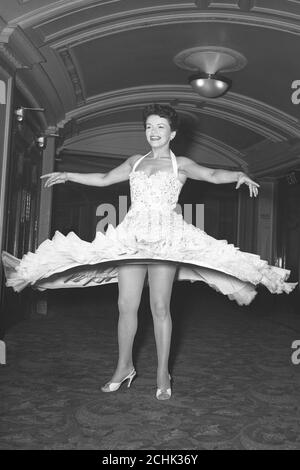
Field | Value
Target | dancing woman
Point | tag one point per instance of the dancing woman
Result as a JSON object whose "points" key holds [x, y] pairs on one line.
{"points": [[152, 239]]}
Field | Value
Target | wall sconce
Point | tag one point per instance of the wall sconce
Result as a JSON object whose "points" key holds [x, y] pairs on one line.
{"points": [[21, 111], [41, 142]]}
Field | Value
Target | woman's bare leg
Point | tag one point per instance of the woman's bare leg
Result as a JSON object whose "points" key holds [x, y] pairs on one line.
{"points": [[131, 281], [161, 277]]}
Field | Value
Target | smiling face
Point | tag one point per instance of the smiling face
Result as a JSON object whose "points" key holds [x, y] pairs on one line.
{"points": [[158, 131]]}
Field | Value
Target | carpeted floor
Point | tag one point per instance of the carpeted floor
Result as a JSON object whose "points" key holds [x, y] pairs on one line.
{"points": [[235, 386]]}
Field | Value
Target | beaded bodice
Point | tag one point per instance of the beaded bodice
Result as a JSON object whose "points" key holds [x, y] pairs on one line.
{"points": [[158, 191]]}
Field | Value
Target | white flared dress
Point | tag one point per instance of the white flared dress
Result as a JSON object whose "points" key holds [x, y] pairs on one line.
{"points": [[152, 231]]}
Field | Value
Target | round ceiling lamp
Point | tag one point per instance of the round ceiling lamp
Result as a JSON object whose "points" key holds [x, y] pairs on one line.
{"points": [[210, 85], [207, 62]]}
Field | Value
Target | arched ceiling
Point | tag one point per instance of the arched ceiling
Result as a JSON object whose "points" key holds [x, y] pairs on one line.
{"points": [[94, 64]]}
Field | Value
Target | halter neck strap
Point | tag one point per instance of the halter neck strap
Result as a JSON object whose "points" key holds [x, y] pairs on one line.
{"points": [[173, 160], [139, 160], [174, 163]]}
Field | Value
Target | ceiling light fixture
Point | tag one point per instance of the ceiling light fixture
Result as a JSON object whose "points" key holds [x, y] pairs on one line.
{"points": [[208, 63], [210, 85]]}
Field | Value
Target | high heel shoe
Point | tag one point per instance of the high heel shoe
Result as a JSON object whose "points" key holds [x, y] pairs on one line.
{"points": [[114, 386], [164, 393]]}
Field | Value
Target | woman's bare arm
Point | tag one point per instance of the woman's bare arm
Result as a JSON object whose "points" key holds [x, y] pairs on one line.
{"points": [[198, 172], [116, 175]]}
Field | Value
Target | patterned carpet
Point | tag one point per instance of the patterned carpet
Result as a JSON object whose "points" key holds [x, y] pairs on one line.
{"points": [[235, 386]]}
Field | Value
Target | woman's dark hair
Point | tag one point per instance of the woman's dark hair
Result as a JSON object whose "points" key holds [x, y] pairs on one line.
{"points": [[162, 110]]}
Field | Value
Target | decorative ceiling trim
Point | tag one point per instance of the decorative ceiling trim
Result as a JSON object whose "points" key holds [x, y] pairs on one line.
{"points": [[46, 15], [221, 148], [266, 157], [210, 59], [285, 158], [103, 130], [261, 118], [79, 162], [246, 5], [213, 4], [280, 155], [262, 114], [9, 57], [204, 142], [72, 71], [258, 128], [59, 8], [24, 54], [281, 165], [199, 138], [104, 26], [275, 12]]}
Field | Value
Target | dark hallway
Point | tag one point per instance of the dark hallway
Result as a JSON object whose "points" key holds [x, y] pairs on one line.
{"points": [[234, 386]]}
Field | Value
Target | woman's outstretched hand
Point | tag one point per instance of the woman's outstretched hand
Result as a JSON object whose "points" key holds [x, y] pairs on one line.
{"points": [[253, 187], [54, 178]]}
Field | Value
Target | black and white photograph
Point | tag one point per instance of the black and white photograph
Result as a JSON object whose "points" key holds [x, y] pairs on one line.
{"points": [[149, 227]]}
